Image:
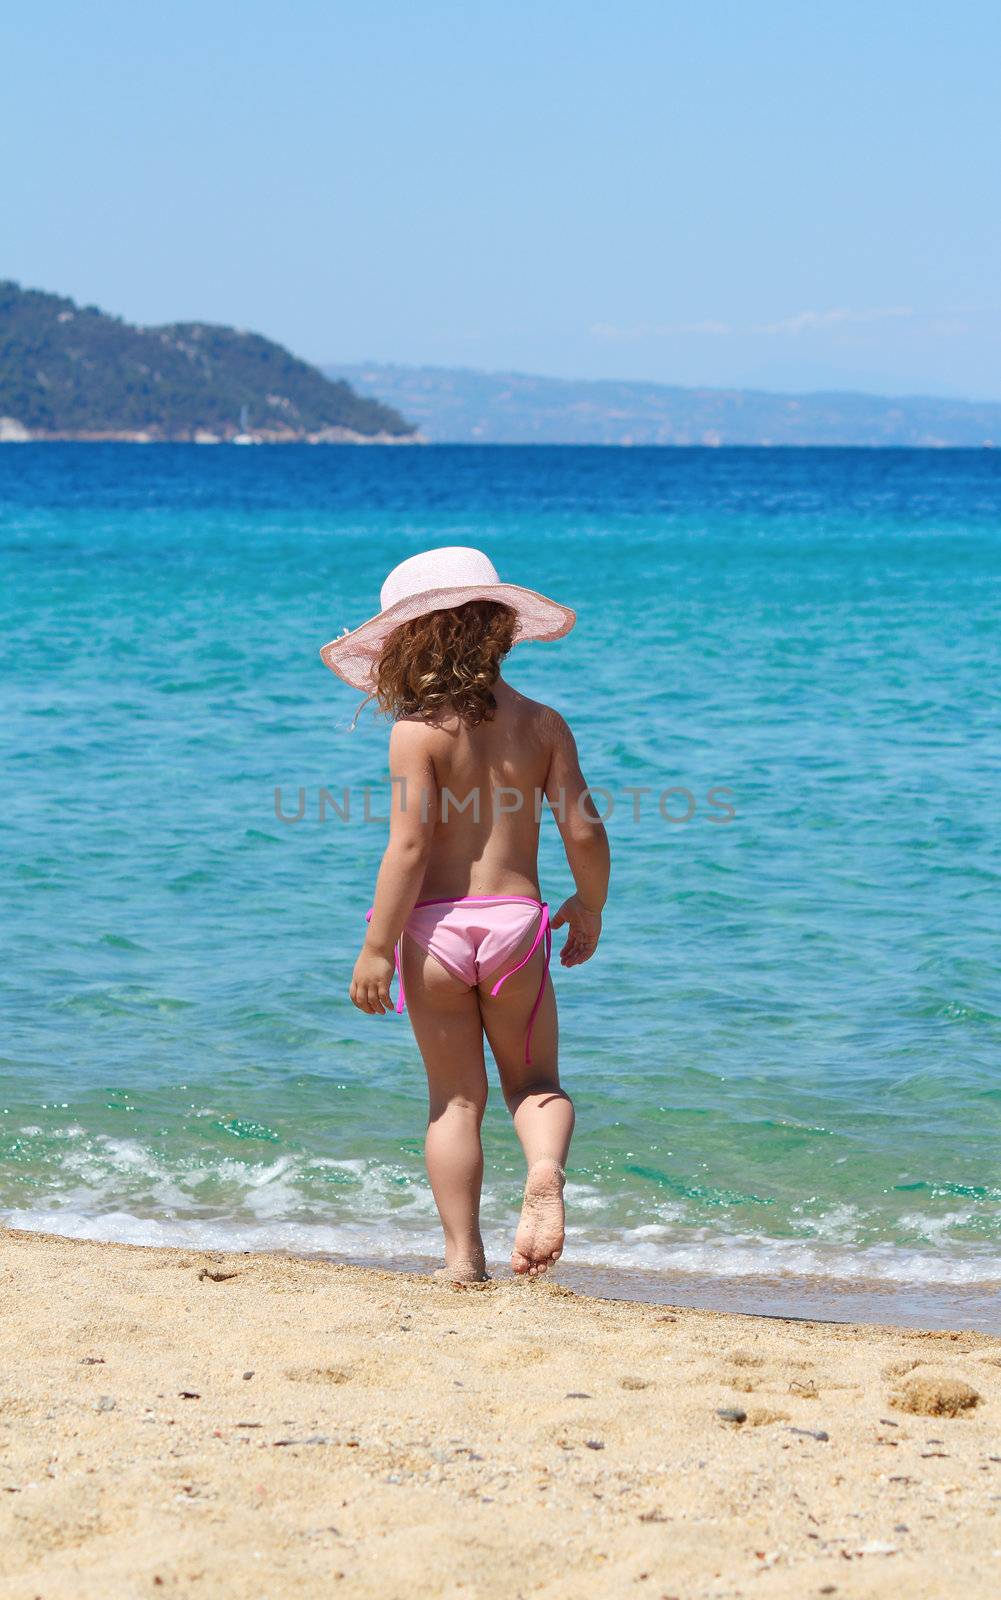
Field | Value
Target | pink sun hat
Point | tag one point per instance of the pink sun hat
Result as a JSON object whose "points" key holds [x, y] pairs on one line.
{"points": [[437, 580]]}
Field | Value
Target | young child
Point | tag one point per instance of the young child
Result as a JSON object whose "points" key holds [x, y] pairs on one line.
{"points": [[458, 911]]}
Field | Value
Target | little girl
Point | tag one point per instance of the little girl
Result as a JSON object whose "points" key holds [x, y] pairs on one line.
{"points": [[458, 913]]}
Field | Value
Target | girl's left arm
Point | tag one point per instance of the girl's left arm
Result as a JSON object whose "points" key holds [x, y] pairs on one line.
{"points": [[413, 810]]}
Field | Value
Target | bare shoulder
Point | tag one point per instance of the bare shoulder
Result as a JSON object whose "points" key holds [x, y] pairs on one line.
{"points": [[550, 725], [413, 741], [548, 731]]}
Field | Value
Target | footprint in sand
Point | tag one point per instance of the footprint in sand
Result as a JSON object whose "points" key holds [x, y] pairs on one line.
{"points": [[539, 1239], [762, 1416], [935, 1396], [899, 1369], [744, 1358], [335, 1375]]}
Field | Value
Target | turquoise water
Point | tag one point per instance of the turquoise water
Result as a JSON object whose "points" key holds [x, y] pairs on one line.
{"points": [[785, 1056]]}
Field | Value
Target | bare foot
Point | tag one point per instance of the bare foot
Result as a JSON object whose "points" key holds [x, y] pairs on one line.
{"points": [[463, 1272], [539, 1239]]}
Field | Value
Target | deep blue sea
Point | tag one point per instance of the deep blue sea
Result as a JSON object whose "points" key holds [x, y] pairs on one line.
{"points": [[786, 1056]]}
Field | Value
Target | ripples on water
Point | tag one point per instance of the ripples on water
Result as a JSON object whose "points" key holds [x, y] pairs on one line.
{"points": [[785, 1057]]}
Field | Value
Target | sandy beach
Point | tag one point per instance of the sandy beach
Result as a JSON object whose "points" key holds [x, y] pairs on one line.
{"points": [[257, 1426]]}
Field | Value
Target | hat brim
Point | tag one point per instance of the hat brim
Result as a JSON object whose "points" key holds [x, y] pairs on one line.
{"points": [[354, 656]]}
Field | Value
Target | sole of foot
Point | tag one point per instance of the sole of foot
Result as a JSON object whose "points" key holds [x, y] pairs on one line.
{"points": [[539, 1239]]}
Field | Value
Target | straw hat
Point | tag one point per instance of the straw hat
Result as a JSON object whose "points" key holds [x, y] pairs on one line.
{"points": [[437, 580]]}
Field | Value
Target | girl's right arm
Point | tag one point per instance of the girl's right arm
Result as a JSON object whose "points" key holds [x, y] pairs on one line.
{"points": [[586, 844], [411, 827]]}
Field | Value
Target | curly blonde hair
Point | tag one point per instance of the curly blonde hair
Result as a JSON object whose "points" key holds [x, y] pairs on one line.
{"points": [[446, 661]]}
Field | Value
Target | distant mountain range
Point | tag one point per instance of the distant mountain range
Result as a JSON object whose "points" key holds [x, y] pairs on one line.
{"points": [[457, 406], [74, 372]]}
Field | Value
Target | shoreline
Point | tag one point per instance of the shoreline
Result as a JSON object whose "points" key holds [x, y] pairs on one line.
{"points": [[922, 1302], [232, 1425], [13, 432], [19, 435], [870, 1302]]}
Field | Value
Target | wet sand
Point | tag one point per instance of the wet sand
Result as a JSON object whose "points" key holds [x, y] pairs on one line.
{"points": [[178, 1422], [953, 1307]]}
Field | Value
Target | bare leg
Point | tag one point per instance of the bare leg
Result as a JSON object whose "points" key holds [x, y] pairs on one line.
{"points": [[446, 1021], [543, 1114]]}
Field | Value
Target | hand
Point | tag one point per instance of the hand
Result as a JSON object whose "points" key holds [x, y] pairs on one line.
{"points": [[585, 931], [370, 982]]}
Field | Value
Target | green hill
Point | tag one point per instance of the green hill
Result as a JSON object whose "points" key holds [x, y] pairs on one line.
{"points": [[72, 371]]}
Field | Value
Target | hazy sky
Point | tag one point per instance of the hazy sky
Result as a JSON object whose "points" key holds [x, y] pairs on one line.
{"points": [[802, 194]]}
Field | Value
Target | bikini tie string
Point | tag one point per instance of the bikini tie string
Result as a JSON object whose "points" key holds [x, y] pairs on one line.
{"points": [[545, 928]]}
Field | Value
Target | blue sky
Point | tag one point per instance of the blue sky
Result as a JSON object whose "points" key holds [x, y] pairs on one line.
{"points": [[789, 195]]}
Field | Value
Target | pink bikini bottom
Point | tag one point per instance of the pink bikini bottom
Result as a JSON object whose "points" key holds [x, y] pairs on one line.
{"points": [[474, 938]]}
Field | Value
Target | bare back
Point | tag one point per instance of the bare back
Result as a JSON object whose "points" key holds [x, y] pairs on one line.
{"points": [[489, 782]]}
